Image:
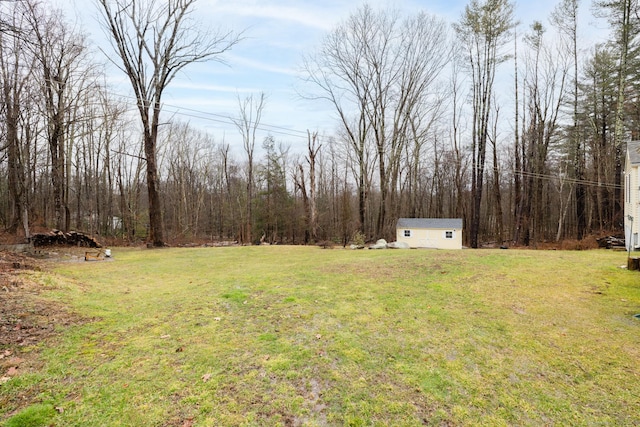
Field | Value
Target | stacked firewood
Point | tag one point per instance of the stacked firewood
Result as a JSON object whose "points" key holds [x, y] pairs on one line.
{"points": [[610, 242], [60, 238]]}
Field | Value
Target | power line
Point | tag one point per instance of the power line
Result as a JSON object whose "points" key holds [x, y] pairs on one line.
{"points": [[222, 118], [569, 180], [295, 133]]}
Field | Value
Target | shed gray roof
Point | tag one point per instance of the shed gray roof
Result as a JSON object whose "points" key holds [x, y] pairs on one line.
{"points": [[633, 148], [438, 223]]}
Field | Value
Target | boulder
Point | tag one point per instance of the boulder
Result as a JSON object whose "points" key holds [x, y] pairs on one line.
{"points": [[398, 245], [380, 244]]}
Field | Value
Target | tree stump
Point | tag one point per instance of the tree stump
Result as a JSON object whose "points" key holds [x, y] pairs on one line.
{"points": [[633, 263]]}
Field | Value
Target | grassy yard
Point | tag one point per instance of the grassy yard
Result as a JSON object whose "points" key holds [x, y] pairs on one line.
{"points": [[262, 336]]}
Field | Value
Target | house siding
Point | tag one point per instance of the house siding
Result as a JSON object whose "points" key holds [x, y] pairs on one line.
{"points": [[632, 196]]}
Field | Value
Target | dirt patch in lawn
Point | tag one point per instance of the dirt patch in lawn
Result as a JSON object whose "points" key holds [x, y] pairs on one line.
{"points": [[26, 318]]}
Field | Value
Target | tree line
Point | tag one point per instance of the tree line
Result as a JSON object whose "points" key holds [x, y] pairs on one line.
{"points": [[518, 128]]}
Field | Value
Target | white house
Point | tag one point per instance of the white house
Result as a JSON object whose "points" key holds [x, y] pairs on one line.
{"points": [[632, 196], [436, 233]]}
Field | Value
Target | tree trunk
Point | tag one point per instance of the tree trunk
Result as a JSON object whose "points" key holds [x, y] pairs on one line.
{"points": [[156, 235], [313, 205]]}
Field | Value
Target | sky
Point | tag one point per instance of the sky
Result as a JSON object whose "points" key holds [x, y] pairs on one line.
{"points": [[276, 36]]}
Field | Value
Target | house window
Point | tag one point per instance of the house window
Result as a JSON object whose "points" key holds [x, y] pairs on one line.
{"points": [[448, 234], [407, 233]]}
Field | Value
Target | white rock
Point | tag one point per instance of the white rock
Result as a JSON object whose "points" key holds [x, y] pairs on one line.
{"points": [[398, 245], [380, 244]]}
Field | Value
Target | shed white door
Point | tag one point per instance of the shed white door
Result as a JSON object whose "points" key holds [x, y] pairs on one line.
{"points": [[431, 240]]}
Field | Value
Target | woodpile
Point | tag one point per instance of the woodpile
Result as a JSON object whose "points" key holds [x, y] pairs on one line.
{"points": [[611, 242], [60, 238]]}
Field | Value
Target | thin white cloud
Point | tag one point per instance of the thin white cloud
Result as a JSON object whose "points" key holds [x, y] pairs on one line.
{"points": [[276, 34], [242, 61], [188, 85], [303, 13]]}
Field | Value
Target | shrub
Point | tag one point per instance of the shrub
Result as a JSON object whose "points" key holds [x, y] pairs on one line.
{"points": [[358, 239]]}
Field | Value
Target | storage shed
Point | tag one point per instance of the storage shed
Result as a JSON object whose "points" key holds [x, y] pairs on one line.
{"points": [[632, 196], [435, 233]]}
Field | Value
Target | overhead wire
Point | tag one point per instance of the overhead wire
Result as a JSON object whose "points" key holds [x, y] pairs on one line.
{"points": [[223, 118], [295, 133], [550, 177]]}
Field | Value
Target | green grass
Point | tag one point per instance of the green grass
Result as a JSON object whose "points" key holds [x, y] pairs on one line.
{"points": [[38, 415], [261, 336]]}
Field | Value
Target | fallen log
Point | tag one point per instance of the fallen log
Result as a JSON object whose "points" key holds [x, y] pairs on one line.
{"points": [[93, 256]]}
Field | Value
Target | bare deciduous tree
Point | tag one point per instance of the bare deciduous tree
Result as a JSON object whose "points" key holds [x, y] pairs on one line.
{"points": [[61, 55], [309, 193], [378, 72], [565, 18], [484, 30], [545, 85], [250, 115], [155, 40], [16, 71]]}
